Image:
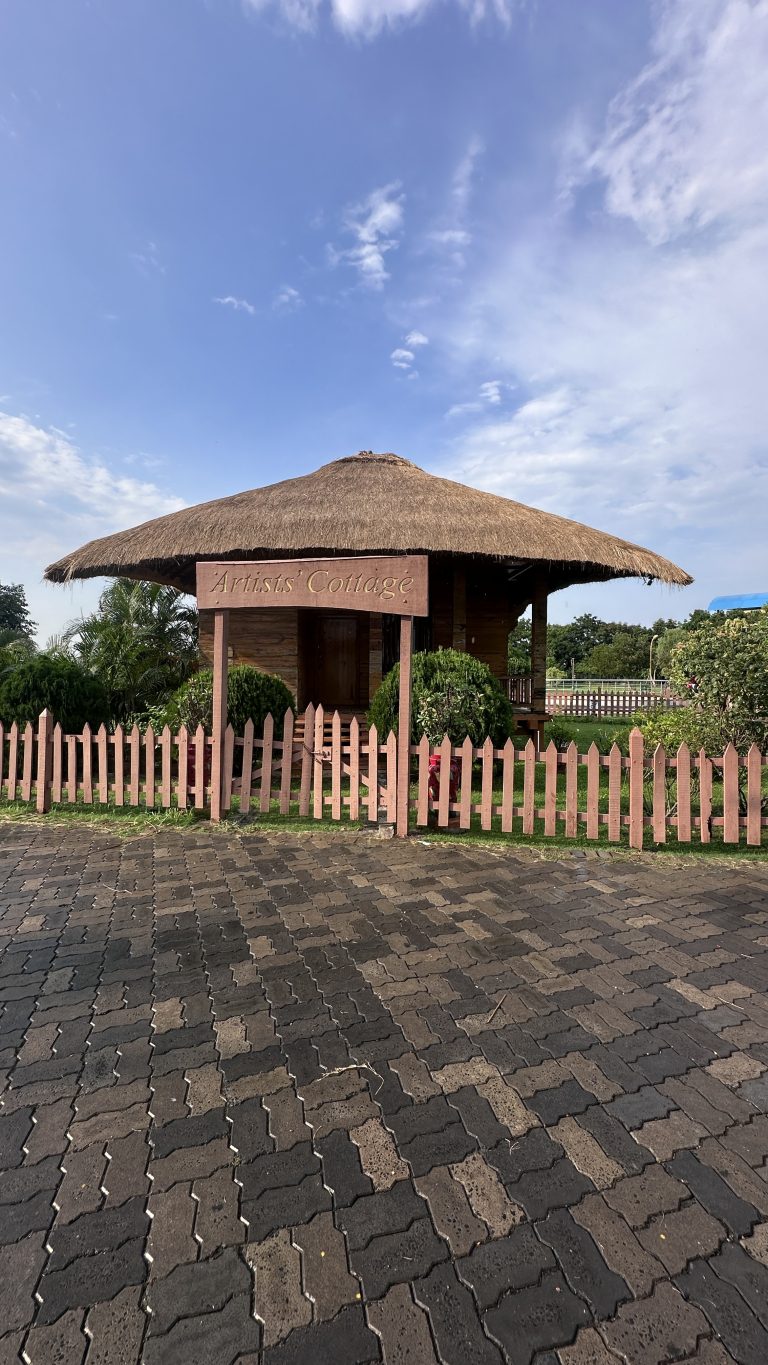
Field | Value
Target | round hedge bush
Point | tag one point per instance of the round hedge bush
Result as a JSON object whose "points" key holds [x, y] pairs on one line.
{"points": [[72, 694], [251, 695], [453, 693]]}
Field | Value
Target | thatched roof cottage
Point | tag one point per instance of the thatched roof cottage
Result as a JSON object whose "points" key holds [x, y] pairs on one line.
{"points": [[489, 559]]}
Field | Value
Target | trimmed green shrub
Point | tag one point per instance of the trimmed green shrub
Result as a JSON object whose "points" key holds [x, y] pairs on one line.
{"points": [[251, 695], [72, 694], [557, 732], [453, 694]]}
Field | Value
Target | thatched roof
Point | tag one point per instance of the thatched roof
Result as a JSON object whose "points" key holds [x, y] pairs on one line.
{"points": [[365, 503]]}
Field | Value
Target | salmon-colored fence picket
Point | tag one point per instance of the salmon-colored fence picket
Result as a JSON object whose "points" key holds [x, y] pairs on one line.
{"points": [[328, 767], [649, 797]]}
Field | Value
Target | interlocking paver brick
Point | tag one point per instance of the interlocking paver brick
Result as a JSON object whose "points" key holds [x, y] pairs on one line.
{"points": [[194, 1288], [326, 1278], [640, 1197], [618, 1244], [733, 1321], [64, 1340], [636, 1109], [615, 1141], [278, 1297], [486, 1194], [586, 1153], [20, 1266], [456, 1327], [739, 1175], [402, 1327], [757, 1243], [171, 1241], [714, 1193], [342, 1171], [225, 1335], [749, 1276], [666, 1136], [661, 1328], [90, 1278], [94, 1233], [345, 1340], [246, 1002], [217, 1221], [678, 1237], [584, 1267], [588, 1349], [378, 1154], [397, 1257], [545, 1316], [386, 1211], [512, 1262], [450, 1209]]}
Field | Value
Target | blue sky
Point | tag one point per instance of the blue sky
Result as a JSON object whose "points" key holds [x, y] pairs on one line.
{"points": [[523, 244]]}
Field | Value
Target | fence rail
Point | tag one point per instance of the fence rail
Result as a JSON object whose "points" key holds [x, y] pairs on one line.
{"points": [[601, 704], [320, 770], [590, 698]]}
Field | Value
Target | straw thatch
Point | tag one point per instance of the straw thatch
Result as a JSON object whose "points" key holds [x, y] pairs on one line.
{"points": [[365, 503]]}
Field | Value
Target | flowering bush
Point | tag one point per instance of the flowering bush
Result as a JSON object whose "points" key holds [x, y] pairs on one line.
{"points": [[721, 669]]}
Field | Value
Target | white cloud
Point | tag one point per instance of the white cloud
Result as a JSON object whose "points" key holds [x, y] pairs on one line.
{"points": [[416, 339], [239, 305], [641, 352], [376, 225], [402, 359], [464, 175], [287, 299], [148, 262], [369, 18], [52, 499], [687, 143], [451, 236], [489, 394]]}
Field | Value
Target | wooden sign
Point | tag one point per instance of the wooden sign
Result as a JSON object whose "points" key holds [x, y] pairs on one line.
{"points": [[391, 584]]}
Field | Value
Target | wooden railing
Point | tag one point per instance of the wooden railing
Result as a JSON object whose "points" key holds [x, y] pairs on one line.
{"points": [[597, 702], [353, 777]]}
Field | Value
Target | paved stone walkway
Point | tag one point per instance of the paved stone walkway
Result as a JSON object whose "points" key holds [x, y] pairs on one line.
{"points": [[329, 1100]]}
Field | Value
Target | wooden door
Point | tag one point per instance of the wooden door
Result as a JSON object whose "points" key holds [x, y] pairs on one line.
{"points": [[331, 661]]}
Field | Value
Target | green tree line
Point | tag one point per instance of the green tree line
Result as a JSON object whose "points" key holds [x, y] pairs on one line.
{"points": [[592, 648]]}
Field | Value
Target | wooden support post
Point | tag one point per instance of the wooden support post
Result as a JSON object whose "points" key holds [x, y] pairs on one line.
{"points": [[44, 762], [404, 728], [459, 606], [220, 665], [539, 649]]}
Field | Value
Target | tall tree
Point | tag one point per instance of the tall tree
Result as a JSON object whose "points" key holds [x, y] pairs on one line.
{"points": [[141, 643], [15, 620]]}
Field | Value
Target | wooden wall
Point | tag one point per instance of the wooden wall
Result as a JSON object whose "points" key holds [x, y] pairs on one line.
{"points": [[266, 639], [472, 607]]}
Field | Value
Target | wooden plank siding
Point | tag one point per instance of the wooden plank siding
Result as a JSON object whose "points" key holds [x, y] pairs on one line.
{"points": [[472, 608]]}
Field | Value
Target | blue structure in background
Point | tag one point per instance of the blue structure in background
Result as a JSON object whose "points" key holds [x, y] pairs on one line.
{"points": [[744, 602]]}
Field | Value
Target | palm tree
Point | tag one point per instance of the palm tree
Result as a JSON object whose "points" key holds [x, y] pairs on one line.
{"points": [[142, 643]]}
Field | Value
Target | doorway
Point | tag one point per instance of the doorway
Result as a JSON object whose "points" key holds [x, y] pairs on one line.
{"points": [[331, 673]]}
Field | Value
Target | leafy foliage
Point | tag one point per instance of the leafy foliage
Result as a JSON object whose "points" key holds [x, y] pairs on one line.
{"points": [[453, 693], [141, 644], [15, 619], [519, 647], [251, 695], [685, 725], [63, 686], [723, 668]]}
